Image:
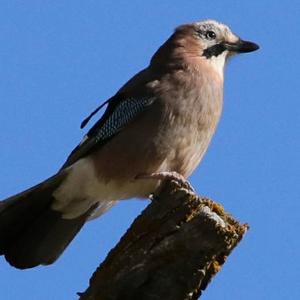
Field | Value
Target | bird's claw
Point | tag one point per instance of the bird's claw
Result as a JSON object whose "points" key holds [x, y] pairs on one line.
{"points": [[178, 178]]}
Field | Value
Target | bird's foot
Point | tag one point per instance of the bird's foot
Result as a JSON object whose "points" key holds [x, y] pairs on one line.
{"points": [[178, 178]]}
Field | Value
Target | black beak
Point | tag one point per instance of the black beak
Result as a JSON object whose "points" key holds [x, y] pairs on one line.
{"points": [[241, 46]]}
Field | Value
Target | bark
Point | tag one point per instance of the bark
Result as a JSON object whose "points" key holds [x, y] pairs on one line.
{"points": [[171, 251]]}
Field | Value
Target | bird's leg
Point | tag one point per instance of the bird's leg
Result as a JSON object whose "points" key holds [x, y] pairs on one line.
{"points": [[178, 178]]}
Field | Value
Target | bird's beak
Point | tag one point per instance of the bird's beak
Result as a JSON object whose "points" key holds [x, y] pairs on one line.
{"points": [[241, 46]]}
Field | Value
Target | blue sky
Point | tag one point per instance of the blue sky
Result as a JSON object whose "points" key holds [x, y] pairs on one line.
{"points": [[60, 59]]}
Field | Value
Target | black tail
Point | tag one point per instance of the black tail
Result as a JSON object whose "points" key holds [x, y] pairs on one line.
{"points": [[31, 233]]}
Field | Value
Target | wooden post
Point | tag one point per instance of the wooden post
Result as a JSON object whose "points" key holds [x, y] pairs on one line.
{"points": [[171, 251]]}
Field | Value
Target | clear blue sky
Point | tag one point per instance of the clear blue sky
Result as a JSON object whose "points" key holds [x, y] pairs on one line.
{"points": [[60, 59]]}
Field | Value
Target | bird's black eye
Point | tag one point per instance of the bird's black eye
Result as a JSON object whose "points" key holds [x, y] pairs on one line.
{"points": [[210, 35]]}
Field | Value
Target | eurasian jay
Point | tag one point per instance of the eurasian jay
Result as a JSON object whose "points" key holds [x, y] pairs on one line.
{"points": [[158, 125]]}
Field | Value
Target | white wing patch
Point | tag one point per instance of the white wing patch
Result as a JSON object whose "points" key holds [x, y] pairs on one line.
{"points": [[83, 188]]}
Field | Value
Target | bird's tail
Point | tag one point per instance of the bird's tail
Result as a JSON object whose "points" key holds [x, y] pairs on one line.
{"points": [[31, 233]]}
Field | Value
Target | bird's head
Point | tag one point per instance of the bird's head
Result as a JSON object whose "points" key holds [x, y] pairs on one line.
{"points": [[207, 42]]}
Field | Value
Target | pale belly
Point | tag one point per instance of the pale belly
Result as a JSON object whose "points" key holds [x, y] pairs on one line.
{"points": [[84, 186]]}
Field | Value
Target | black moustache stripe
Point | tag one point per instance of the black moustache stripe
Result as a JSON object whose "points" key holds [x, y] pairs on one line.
{"points": [[214, 50]]}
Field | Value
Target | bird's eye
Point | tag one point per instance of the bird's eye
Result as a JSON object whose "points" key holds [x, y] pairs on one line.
{"points": [[210, 35]]}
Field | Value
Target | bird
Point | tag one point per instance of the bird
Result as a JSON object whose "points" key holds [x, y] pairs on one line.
{"points": [[157, 126]]}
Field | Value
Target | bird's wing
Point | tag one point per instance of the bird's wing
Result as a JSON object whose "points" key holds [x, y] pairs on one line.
{"points": [[121, 110]]}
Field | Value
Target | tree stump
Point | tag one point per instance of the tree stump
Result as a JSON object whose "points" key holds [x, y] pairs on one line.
{"points": [[171, 251]]}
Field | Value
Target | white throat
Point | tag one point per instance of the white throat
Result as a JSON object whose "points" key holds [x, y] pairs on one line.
{"points": [[218, 63]]}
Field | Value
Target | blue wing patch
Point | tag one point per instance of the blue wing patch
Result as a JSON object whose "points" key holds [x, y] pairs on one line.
{"points": [[124, 112], [120, 112]]}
